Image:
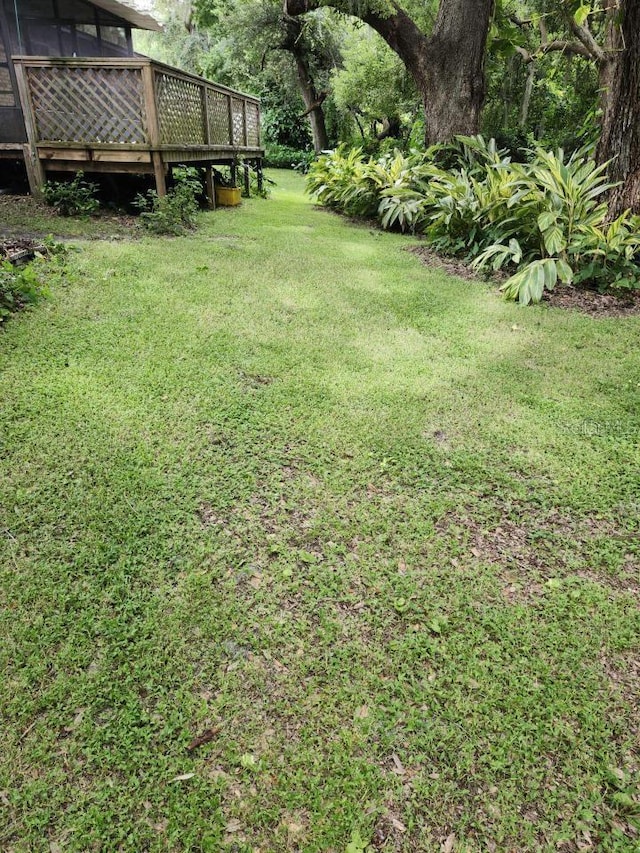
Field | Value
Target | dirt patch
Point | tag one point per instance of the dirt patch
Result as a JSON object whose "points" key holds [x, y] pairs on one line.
{"points": [[585, 301], [593, 303], [538, 549], [452, 266]]}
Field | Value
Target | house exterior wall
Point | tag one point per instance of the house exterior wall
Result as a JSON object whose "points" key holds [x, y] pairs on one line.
{"points": [[51, 28]]}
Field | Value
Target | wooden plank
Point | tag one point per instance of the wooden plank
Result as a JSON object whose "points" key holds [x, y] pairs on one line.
{"points": [[121, 156], [111, 168], [160, 174], [230, 112], [205, 113], [245, 139], [35, 172], [54, 145], [210, 187], [150, 106], [88, 155]]}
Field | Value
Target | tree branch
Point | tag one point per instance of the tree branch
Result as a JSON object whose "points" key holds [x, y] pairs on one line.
{"points": [[398, 30], [585, 36]]}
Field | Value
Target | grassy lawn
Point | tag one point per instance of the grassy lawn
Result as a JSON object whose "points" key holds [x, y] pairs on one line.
{"points": [[367, 529]]}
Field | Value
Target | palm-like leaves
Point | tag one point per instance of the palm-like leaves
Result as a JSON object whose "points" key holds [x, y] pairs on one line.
{"points": [[544, 219]]}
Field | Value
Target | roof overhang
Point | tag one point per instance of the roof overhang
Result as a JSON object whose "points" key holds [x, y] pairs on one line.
{"points": [[140, 20]]}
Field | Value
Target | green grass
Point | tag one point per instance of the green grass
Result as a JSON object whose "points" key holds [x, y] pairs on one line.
{"points": [[22, 215], [374, 526]]}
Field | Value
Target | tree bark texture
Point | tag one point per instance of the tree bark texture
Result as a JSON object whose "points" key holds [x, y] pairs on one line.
{"points": [[620, 130], [313, 103], [447, 67]]}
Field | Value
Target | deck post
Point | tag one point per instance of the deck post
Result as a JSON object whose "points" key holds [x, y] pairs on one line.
{"points": [[153, 128], [210, 186], [35, 170], [159, 172], [246, 180], [260, 175]]}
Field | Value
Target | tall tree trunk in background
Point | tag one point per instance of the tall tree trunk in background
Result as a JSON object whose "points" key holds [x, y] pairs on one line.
{"points": [[313, 103], [620, 133], [453, 82], [295, 44], [447, 67]]}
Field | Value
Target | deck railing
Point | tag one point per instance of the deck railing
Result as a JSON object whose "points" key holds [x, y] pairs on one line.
{"points": [[133, 103]]}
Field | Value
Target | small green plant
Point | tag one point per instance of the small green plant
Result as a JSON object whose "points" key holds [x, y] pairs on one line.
{"points": [[23, 285], [72, 198], [176, 212]]}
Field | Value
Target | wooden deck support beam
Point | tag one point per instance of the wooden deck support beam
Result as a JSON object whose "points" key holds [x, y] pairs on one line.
{"points": [[159, 171], [210, 187]]}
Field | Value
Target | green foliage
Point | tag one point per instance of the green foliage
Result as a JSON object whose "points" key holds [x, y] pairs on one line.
{"points": [[175, 213], [284, 157], [347, 181], [23, 285], [282, 124], [544, 220], [71, 198], [19, 286]]}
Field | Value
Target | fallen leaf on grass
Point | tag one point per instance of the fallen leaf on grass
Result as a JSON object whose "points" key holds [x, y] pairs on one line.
{"points": [[206, 737], [362, 713], [397, 824], [183, 777], [447, 844], [255, 581], [398, 768], [233, 826]]}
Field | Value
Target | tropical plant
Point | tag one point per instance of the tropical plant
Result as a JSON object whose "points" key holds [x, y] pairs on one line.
{"points": [[543, 221]]}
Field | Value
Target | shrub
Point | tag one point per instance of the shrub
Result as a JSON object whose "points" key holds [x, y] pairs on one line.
{"points": [[543, 221], [176, 212], [72, 198], [284, 157]]}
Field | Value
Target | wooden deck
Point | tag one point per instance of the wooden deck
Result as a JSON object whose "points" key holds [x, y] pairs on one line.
{"points": [[129, 115]]}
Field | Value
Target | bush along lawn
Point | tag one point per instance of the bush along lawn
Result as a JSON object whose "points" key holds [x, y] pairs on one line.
{"points": [[306, 547], [544, 221]]}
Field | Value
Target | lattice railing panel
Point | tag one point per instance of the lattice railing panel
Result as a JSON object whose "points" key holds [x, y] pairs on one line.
{"points": [[88, 104], [238, 121], [253, 125], [180, 113], [218, 106]]}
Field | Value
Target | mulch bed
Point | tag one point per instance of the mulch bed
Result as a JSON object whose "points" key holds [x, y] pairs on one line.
{"points": [[586, 301]]}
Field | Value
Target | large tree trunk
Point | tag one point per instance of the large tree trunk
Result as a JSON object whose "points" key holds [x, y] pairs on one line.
{"points": [[313, 103], [454, 69], [620, 130], [447, 67]]}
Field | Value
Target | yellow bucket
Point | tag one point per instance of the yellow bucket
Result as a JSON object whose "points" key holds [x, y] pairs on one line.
{"points": [[228, 196]]}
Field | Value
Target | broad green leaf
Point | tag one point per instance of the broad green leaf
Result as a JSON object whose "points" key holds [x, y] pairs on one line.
{"points": [[547, 219], [554, 241], [581, 14], [565, 273]]}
